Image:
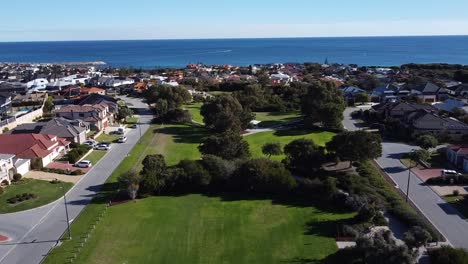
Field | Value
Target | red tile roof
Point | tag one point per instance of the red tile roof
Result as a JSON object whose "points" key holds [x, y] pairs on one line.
{"points": [[30, 145]]}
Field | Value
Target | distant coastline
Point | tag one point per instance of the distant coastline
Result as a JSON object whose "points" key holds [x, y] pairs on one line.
{"points": [[365, 51]]}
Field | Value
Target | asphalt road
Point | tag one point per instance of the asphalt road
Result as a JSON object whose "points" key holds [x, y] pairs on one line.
{"points": [[35, 232], [442, 215]]}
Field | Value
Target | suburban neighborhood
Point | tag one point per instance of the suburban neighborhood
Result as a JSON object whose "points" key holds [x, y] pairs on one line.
{"points": [[381, 152]]}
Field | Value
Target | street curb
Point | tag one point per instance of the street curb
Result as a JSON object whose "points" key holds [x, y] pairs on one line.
{"points": [[414, 204]]}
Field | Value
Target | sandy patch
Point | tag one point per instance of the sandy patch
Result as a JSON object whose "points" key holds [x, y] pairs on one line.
{"points": [[40, 175]]}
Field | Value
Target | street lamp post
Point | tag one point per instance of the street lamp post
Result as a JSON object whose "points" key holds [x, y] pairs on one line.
{"points": [[409, 175], [66, 212]]}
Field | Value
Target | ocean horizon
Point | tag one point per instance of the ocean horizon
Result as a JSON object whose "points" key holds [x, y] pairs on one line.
{"points": [[365, 51]]}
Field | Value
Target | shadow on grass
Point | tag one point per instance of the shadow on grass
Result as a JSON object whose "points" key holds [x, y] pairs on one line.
{"points": [[185, 133], [296, 132]]}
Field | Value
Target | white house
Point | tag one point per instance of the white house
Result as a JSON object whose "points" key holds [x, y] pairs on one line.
{"points": [[6, 168]]}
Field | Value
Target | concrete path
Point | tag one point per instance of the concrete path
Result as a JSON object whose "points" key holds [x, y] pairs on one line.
{"points": [[34, 232]]}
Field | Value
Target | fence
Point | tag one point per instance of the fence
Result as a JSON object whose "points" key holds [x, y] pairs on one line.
{"points": [[83, 238]]}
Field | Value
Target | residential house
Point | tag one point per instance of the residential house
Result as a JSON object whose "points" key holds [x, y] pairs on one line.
{"points": [[92, 90], [5, 104], [400, 110], [95, 98], [450, 105], [73, 131], [428, 122], [97, 115], [429, 92], [458, 155], [350, 92], [389, 93], [6, 168], [280, 78], [44, 148]]}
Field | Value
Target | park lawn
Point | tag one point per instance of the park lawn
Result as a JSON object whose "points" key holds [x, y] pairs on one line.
{"points": [[194, 110], [275, 118], [256, 141], [177, 142], [46, 192], [95, 156], [460, 203], [200, 229]]}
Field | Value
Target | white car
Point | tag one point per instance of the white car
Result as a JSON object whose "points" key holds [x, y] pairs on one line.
{"points": [[103, 146], [90, 143], [445, 173], [83, 164], [122, 139]]}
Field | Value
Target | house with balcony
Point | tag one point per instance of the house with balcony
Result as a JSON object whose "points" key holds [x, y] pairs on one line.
{"points": [[97, 116]]}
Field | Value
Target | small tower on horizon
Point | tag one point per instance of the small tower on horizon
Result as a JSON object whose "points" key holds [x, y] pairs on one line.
{"points": [[326, 61]]}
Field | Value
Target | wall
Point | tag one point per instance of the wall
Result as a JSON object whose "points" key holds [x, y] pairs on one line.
{"points": [[16, 121]]}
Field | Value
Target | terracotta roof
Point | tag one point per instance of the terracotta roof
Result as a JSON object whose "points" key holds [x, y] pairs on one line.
{"points": [[30, 145], [92, 90]]}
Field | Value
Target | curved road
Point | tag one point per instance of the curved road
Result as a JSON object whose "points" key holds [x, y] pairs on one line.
{"points": [[442, 215], [33, 233]]}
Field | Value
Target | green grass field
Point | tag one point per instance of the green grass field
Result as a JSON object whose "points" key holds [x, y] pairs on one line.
{"points": [[200, 229], [46, 192], [194, 110], [107, 138], [256, 141], [95, 156], [273, 118]]}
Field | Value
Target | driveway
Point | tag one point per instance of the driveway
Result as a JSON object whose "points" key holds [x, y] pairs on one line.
{"points": [[34, 232], [442, 215]]}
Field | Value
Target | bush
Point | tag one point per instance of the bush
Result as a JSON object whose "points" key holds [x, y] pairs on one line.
{"points": [[21, 197], [73, 156], [456, 193], [447, 254], [76, 172], [17, 177], [36, 164]]}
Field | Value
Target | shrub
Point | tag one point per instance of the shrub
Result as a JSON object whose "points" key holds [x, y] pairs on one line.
{"points": [[76, 172], [55, 181], [36, 164], [17, 177], [456, 193], [73, 156], [447, 254]]}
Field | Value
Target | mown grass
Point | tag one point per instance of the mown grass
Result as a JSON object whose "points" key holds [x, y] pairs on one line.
{"points": [[95, 156], [275, 118], [194, 110], [200, 229], [46, 193], [256, 141], [460, 202]]}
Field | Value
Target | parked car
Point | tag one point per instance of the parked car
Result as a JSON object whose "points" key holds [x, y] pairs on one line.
{"points": [[83, 164], [90, 143], [132, 126], [447, 173], [122, 139], [120, 131], [103, 146]]}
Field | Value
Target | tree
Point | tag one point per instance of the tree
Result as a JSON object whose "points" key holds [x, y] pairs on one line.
{"points": [[49, 105], [270, 149], [362, 98], [323, 103], [225, 113], [356, 146], [124, 112], [427, 141], [166, 98], [417, 237], [229, 146], [420, 155], [303, 155], [263, 176], [219, 169], [447, 254], [194, 176], [153, 177], [130, 181]]}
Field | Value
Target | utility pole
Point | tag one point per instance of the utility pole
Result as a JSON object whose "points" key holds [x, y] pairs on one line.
{"points": [[409, 175], [66, 212]]}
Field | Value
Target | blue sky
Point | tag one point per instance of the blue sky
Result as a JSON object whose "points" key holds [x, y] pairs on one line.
{"points": [[31, 20]]}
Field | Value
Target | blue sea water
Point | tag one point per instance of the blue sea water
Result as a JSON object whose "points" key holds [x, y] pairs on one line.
{"points": [[384, 51]]}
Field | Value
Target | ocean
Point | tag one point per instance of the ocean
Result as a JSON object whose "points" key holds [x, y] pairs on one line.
{"points": [[366, 51]]}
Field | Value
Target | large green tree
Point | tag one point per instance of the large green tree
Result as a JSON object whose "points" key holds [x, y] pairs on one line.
{"points": [[270, 149], [224, 113], [264, 176], [303, 155], [323, 104], [356, 146], [229, 146], [166, 98], [130, 181], [153, 174]]}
